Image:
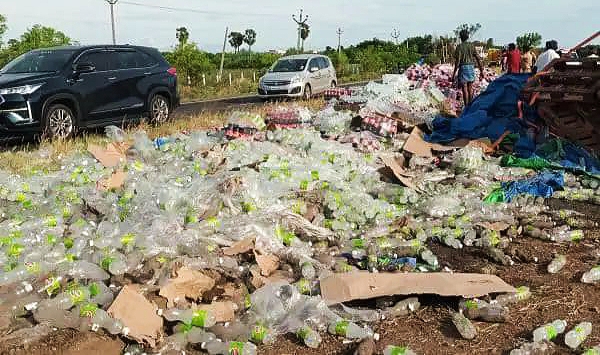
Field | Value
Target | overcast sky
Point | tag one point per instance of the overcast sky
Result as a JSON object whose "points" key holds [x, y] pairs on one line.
{"points": [[88, 21]]}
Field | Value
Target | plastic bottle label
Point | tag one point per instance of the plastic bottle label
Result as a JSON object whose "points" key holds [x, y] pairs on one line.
{"points": [[199, 318], [94, 290], [341, 327], [470, 304], [551, 333], [398, 350], [88, 310], [358, 243], [303, 333], [259, 332], [236, 348]]}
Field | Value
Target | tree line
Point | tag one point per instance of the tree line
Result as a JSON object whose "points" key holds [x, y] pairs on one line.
{"points": [[370, 56]]}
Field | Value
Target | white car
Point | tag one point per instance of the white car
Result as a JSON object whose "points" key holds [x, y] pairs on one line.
{"points": [[301, 75]]}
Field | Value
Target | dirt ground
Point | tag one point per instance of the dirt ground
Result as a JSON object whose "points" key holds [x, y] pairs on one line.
{"points": [[430, 331]]}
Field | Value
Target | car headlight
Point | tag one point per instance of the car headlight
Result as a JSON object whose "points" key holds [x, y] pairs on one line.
{"points": [[23, 90], [296, 80]]}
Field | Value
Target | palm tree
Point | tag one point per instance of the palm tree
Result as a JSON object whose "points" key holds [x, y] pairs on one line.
{"points": [[250, 38]]}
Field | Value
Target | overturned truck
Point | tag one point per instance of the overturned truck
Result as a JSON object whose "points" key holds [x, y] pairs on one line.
{"points": [[567, 97]]}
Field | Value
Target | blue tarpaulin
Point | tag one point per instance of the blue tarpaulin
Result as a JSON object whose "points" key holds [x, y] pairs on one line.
{"points": [[489, 116], [543, 185], [568, 155]]}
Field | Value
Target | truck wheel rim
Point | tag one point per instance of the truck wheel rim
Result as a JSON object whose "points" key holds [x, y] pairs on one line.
{"points": [[61, 123], [160, 110]]}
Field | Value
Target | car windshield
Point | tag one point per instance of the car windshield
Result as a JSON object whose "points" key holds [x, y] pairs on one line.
{"points": [[289, 65], [40, 61]]}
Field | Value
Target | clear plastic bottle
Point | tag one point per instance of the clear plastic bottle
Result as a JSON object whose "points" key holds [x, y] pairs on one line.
{"points": [[430, 258], [197, 318], [308, 270], [398, 350], [557, 264], [218, 347], [479, 309], [523, 293], [403, 307], [575, 337], [549, 331], [349, 330], [95, 318], [464, 326], [311, 338], [198, 336], [566, 235], [592, 276], [534, 348]]}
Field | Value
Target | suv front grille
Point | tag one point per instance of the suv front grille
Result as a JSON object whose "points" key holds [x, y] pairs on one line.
{"points": [[277, 82]]}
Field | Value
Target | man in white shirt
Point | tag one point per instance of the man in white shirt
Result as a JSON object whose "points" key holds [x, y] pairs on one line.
{"points": [[548, 56]]}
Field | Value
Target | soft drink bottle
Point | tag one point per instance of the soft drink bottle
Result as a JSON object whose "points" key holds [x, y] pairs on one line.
{"points": [[577, 335], [549, 331]]}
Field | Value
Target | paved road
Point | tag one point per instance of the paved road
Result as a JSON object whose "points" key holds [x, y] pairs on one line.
{"points": [[196, 107]]}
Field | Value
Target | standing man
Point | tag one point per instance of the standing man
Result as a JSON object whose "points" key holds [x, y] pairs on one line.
{"points": [[514, 59], [548, 56], [465, 57], [527, 60]]}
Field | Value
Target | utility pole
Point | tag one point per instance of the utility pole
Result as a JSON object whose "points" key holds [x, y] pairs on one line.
{"points": [[223, 53], [301, 21], [112, 4], [395, 35], [339, 33]]}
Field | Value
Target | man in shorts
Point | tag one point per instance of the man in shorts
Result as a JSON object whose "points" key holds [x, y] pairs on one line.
{"points": [[465, 57]]}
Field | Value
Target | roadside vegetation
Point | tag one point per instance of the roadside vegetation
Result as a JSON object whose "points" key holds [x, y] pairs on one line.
{"points": [[199, 71]]}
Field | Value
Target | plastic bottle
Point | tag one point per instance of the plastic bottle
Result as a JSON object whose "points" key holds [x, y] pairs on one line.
{"points": [[430, 258], [397, 350], [403, 307], [549, 331], [349, 330], [566, 235], [523, 293], [557, 264], [308, 270], [197, 318], [262, 334], [94, 318], [311, 338], [198, 335], [592, 276], [479, 309], [575, 337], [534, 348], [464, 326], [218, 347]]}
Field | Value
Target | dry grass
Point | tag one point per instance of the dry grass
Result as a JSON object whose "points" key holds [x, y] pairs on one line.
{"points": [[28, 158]]}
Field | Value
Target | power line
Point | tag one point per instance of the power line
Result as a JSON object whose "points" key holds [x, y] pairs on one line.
{"points": [[181, 9]]}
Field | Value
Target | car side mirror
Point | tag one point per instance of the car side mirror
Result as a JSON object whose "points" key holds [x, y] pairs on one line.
{"points": [[314, 69], [81, 68]]}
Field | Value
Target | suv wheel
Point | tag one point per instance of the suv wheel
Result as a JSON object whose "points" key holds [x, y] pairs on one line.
{"points": [[159, 109], [307, 92], [60, 122]]}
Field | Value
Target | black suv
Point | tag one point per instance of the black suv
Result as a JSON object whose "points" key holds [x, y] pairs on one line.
{"points": [[56, 91]]}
